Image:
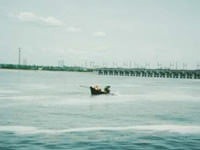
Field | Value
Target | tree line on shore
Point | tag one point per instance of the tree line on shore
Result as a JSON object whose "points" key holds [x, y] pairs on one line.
{"points": [[47, 68]]}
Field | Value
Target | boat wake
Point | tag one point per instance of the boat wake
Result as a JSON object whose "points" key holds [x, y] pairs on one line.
{"points": [[181, 129]]}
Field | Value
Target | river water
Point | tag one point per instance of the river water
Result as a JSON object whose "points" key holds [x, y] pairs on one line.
{"points": [[42, 110]]}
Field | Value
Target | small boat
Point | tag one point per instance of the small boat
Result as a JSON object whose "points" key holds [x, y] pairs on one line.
{"points": [[97, 91]]}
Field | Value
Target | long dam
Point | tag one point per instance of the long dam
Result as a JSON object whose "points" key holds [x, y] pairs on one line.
{"points": [[154, 73]]}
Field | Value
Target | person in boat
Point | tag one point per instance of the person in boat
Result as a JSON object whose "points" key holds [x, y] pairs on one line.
{"points": [[96, 87], [107, 89]]}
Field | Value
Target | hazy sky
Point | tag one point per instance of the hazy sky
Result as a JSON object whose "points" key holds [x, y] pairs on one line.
{"points": [[104, 31]]}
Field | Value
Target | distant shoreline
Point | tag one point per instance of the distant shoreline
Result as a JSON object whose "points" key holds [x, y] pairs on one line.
{"points": [[44, 68]]}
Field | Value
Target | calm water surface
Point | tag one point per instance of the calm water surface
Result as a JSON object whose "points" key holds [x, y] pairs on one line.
{"points": [[42, 110]]}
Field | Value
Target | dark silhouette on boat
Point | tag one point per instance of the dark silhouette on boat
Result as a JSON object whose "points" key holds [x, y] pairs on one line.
{"points": [[97, 91]]}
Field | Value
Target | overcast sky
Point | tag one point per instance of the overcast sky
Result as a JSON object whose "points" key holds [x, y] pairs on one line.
{"points": [[103, 31]]}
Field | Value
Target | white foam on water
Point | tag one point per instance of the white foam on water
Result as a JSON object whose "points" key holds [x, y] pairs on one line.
{"points": [[49, 101], [4, 91], [161, 97], [181, 129], [117, 98], [78, 102], [19, 129]]}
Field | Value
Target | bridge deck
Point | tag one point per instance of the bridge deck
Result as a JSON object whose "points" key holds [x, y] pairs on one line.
{"points": [[157, 73]]}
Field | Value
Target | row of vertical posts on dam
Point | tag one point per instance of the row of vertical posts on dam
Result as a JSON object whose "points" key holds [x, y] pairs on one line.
{"points": [[154, 73]]}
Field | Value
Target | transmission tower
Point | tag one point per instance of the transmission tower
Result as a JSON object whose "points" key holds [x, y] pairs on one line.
{"points": [[19, 57]]}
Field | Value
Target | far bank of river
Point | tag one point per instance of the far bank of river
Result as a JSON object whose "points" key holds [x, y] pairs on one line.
{"points": [[45, 68]]}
